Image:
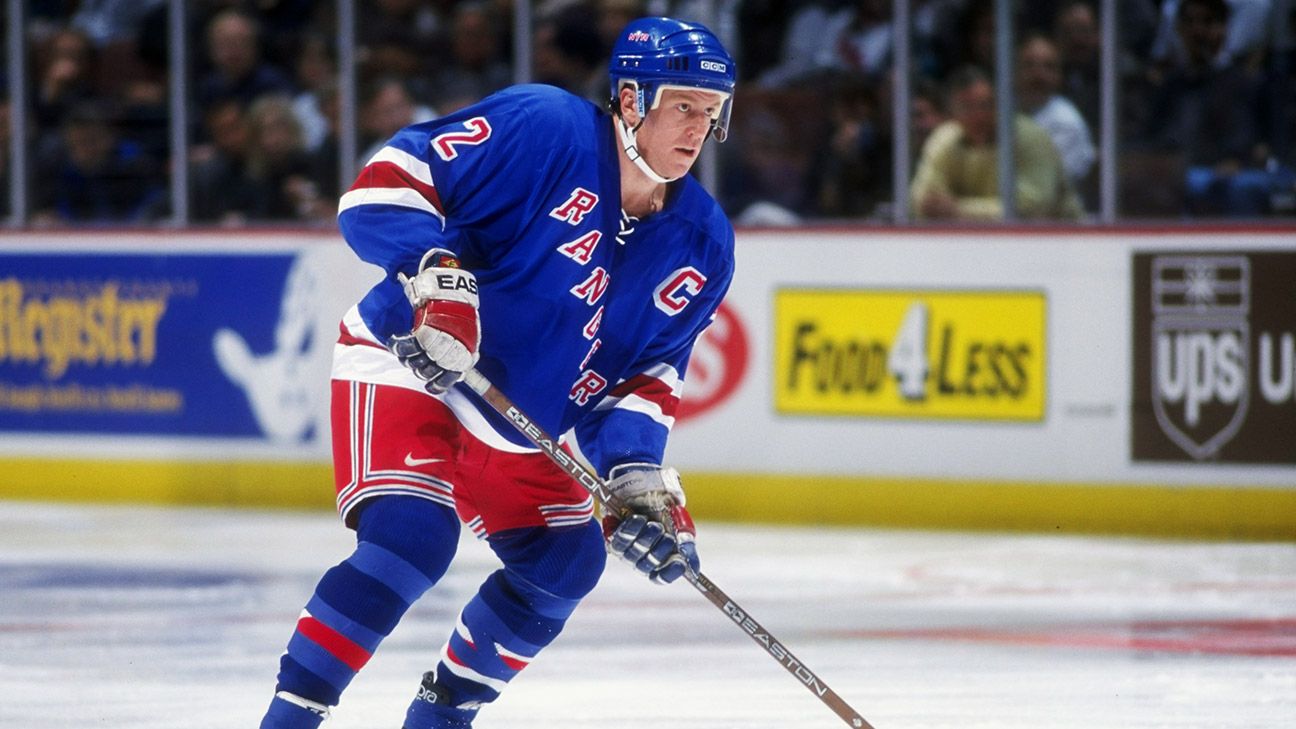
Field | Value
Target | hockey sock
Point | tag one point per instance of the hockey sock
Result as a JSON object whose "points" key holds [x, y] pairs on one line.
{"points": [[517, 611], [359, 602]]}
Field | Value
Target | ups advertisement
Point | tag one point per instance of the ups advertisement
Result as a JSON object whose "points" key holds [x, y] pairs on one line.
{"points": [[1214, 357], [975, 355]]}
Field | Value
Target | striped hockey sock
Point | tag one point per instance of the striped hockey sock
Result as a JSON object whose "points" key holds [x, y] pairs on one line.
{"points": [[404, 546], [355, 606], [498, 633]]}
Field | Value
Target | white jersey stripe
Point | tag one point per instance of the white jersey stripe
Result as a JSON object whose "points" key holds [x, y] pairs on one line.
{"points": [[663, 373], [344, 508], [400, 196], [356, 327], [380, 367], [668, 375], [406, 161], [636, 404], [585, 505]]}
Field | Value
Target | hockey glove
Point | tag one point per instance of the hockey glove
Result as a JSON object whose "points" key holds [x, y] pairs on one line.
{"points": [[443, 342], [647, 524]]}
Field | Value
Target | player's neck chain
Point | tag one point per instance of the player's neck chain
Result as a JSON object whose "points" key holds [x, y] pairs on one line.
{"points": [[656, 199]]}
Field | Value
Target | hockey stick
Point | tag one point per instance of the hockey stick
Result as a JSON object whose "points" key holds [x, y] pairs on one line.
{"points": [[542, 440]]}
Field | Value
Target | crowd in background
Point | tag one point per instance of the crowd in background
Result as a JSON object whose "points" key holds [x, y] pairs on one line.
{"points": [[1205, 125]]}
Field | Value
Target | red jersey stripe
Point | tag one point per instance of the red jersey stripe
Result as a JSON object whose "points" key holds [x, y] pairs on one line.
{"points": [[651, 389], [347, 338], [389, 175]]}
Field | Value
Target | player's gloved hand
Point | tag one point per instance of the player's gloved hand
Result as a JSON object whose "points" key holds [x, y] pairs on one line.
{"points": [[443, 342], [647, 524]]}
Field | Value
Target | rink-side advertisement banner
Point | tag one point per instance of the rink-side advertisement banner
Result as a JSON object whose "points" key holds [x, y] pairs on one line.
{"points": [[1214, 356], [166, 345], [975, 355]]}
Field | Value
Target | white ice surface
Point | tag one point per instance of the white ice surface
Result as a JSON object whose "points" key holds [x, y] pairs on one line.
{"points": [[152, 618]]}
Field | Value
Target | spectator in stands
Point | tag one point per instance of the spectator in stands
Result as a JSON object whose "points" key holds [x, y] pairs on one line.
{"points": [[5, 131], [96, 57], [316, 70], [613, 15], [763, 30], [1078, 40], [65, 66], [284, 22], [863, 44], [133, 71], [111, 21], [1039, 78], [386, 107], [403, 38], [221, 189], [237, 72], [928, 19], [1281, 69], [926, 113], [1137, 23], [851, 169], [803, 52], [958, 174], [824, 39], [765, 183], [476, 67], [325, 157], [969, 36], [1243, 43], [569, 53], [279, 167], [1209, 112], [1079, 43], [93, 176]]}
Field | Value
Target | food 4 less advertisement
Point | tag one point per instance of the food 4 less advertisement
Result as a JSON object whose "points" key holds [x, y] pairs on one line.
{"points": [[976, 354]]}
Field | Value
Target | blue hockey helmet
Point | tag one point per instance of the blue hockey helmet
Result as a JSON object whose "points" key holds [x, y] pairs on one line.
{"points": [[655, 53]]}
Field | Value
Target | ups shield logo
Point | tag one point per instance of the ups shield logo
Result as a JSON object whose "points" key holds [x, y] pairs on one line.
{"points": [[1213, 374], [1200, 344]]}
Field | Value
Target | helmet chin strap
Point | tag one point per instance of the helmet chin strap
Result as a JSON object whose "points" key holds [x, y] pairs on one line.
{"points": [[631, 148]]}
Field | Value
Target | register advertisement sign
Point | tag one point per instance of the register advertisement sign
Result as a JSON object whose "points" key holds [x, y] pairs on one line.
{"points": [[1214, 343], [177, 345]]}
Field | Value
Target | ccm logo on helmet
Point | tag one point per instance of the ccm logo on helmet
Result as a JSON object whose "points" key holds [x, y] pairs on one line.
{"points": [[716, 66], [638, 35], [673, 293]]}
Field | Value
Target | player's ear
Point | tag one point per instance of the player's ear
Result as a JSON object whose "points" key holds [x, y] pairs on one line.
{"points": [[626, 101]]}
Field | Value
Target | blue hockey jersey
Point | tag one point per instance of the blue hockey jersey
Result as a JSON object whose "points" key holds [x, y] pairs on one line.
{"points": [[588, 316]]}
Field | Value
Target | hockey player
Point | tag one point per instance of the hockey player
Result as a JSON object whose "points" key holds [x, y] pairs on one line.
{"points": [[567, 255]]}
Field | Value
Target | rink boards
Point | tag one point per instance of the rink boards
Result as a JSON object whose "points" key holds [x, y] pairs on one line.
{"points": [[1130, 381]]}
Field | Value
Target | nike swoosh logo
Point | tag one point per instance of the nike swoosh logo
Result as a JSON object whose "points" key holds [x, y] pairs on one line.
{"points": [[411, 461]]}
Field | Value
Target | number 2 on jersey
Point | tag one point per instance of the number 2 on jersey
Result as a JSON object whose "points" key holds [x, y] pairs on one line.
{"points": [[479, 130]]}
